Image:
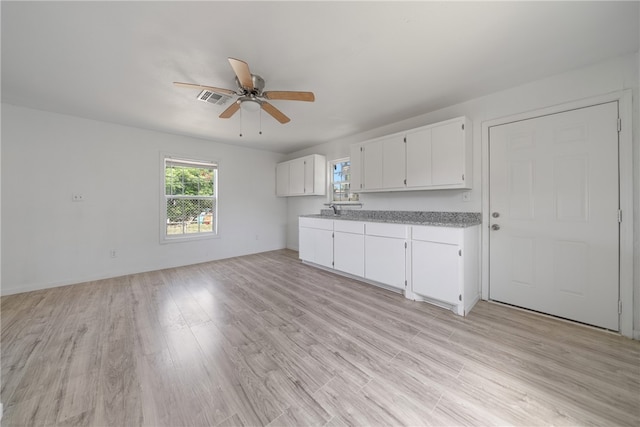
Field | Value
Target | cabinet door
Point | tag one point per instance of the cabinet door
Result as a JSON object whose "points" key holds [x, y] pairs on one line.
{"points": [[435, 271], [296, 177], [309, 176], [306, 244], [355, 152], [316, 245], [324, 248], [348, 253], [372, 165], [393, 162], [282, 179], [419, 158], [447, 154], [385, 260]]}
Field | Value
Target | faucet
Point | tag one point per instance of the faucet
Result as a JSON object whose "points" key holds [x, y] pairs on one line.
{"points": [[334, 207]]}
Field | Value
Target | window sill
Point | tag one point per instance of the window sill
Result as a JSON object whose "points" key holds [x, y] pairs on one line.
{"points": [[188, 238]]}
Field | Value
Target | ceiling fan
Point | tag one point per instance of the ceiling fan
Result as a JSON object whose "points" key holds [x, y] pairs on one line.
{"points": [[251, 94]]}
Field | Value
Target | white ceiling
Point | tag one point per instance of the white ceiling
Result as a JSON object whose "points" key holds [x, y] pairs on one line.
{"points": [[368, 63]]}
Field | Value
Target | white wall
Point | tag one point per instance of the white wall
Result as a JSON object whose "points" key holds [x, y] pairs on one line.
{"points": [[598, 79], [48, 240]]}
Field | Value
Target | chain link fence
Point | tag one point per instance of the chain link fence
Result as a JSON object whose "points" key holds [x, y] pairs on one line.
{"points": [[188, 216]]}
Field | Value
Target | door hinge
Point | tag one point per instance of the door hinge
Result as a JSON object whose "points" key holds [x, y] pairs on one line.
{"points": [[333, 235], [405, 139], [333, 264], [619, 307], [361, 149], [405, 182], [460, 297], [459, 252], [463, 126], [619, 215], [405, 283], [463, 177], [405, 245], [619, 124]]}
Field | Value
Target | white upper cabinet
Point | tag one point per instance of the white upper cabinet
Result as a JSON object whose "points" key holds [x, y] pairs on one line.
{"points": [[355, 152], [437, 156], [393, 162], [297, 177], [372, 165], [419, 158], [448, 154], [305, 176]]}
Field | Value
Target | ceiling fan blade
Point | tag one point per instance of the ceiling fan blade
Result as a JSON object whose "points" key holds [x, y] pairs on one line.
{"points": [[290, 95], [230, 111], [202, 87], [277, 114], [241, 69]]}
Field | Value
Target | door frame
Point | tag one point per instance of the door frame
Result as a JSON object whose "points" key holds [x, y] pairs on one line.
{"points": [[625, 162]]}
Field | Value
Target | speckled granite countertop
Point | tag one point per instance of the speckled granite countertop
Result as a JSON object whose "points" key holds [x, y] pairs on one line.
{"points": [[440, 219]]}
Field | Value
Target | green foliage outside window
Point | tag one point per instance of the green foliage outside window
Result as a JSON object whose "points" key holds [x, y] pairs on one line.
{"points": [[190, 198]]}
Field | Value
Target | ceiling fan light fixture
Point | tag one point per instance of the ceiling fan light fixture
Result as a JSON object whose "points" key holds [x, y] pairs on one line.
{"points": [[250, 105]]}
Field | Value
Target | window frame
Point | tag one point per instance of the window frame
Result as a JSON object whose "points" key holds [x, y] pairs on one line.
{"points": [[330, 182], [194, 161]]}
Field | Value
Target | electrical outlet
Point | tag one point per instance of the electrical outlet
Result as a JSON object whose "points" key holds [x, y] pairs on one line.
{"points": [[77, 197], [112, 253], [466, 196]]}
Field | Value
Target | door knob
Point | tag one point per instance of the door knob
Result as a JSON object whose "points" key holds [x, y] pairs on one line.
{"points": [[495, 227], [495, 214]]}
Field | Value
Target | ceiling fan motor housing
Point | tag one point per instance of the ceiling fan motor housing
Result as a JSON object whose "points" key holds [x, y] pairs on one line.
{"points": [[258, 85]]}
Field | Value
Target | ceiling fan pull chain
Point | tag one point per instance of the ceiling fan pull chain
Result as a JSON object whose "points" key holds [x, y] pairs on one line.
{"points": [[241, 123], [260, 120]]}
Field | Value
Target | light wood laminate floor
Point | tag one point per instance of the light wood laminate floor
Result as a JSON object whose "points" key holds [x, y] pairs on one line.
{"points": [[266, 340]]}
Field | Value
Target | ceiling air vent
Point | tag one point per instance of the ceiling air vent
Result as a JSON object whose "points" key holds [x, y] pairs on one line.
{"points": [[213, 97]]}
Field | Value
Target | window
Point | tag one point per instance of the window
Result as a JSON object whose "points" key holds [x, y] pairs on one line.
{"points": [[190, 199], [339, 177]]}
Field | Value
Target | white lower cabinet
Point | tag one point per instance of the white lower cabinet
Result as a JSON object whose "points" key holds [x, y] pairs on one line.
{"points": [[348, 247], [385, 254], [435, 271], [445, 266], [440, 265], [316, 241]]}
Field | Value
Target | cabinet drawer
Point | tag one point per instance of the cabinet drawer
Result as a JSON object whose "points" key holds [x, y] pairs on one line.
{"points": [[398, 231], [349, 227], [437, 234], [322, 224]]}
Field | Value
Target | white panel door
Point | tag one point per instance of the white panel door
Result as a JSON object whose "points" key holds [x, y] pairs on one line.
{"points": [[554, 189]]}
